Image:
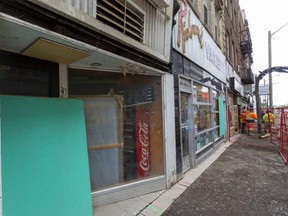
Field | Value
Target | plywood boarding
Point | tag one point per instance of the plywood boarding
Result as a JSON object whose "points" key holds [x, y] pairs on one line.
{"points": [[44, 157]]}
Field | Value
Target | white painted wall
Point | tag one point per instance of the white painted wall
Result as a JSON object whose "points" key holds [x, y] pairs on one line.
{"points": [[169, 129], [158, 28]]}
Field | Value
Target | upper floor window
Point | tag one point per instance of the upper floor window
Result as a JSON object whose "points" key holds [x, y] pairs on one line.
{"points": [[233, 54], [227, 45], [206, 15], [217, 21]]}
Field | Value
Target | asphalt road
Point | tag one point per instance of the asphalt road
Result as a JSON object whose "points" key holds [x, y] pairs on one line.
{"points": [[249, 178]]}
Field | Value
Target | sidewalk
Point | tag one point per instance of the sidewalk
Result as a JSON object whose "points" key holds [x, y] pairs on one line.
{"points": [[155, 204], [249, 178]]}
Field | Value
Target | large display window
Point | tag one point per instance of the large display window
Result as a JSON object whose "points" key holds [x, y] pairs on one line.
{"points": [[123, 123], [206, 115], [216, 122], [202, 117], [201, 93]]}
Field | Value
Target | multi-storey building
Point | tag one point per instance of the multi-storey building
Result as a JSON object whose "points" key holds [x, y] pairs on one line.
{"points": [[92, 111], [200, 81], [87, 117], [238, 52]]}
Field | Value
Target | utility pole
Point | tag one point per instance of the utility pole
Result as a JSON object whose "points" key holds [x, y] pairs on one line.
{"points": [[270, 74], [270, 63]]}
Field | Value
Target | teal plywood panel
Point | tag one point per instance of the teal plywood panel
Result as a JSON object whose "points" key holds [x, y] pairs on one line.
{"points": [[44, 157]]}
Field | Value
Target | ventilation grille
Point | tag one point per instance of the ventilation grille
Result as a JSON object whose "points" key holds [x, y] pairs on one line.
{"points": [[122, 15]]}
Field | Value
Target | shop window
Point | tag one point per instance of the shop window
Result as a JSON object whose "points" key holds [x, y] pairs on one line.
{"points": [[123, 123], [203, 140], [202, 115], [215, 95], [216, 119], [216, 134], [103, 117], [200, 93]]}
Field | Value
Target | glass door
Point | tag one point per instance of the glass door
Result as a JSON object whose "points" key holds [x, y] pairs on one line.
{"points": [[186, 126]]}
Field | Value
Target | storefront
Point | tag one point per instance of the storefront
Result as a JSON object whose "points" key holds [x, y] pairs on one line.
{"points": [[124, 131], [236, 102], [129, 135], [200, 93]]}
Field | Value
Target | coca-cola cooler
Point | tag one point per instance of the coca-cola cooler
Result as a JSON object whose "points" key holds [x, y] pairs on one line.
{"points": [[137, 160], [130, 166]]}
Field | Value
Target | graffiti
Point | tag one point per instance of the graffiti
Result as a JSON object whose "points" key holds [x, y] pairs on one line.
{"points": [[184, 33], [63, 92]]}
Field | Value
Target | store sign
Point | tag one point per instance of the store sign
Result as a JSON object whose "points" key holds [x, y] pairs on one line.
{"points": [[194, 41], [143, 144]]}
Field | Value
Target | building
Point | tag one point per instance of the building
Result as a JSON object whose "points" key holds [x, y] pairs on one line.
{"points": [[102, 101], [200, 81], [238, 52], [87, 116]]}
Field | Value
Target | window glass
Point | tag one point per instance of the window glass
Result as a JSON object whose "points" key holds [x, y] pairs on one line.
{"points": [[200, 93], [215, 95], [123, 124], [216, 134], [202, 115], [216, 119], [22, 81], [203, 140], [184, 123]]}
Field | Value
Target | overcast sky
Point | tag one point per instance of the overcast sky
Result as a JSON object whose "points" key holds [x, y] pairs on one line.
{"points": [[262, 16]]}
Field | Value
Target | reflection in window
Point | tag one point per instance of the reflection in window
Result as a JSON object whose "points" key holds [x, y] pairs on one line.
{"points": [[123, 123], [215, 95], [184, 123], [216, 134], [203, 140], [202, 116], [216, 119], [200, 93]]}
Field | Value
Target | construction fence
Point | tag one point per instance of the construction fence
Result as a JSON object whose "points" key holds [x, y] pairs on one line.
{"points": [[279, 131]]}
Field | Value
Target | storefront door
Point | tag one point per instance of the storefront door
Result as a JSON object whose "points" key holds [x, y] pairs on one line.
{"points": [[186, 125]]}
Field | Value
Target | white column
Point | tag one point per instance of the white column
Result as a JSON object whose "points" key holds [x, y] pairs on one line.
{"points": [[63, 81], [169, 129]]}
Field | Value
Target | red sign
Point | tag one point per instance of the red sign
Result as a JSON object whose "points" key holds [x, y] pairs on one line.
{"points": [[143, 144]]}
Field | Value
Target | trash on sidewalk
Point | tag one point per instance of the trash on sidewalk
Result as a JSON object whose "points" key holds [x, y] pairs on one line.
{"points": [[264, 136]]}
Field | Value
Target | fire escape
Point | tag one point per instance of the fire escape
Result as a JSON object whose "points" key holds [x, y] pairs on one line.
{"points": [[246, 51]]}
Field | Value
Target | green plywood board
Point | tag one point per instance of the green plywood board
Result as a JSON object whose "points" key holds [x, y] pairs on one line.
{"points": [[44, 157], [221, 116]]}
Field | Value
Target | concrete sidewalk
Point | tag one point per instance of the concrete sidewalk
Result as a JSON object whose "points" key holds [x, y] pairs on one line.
{"points": [[155, 204]]}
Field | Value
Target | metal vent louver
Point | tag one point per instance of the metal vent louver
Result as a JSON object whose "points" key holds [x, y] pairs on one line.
{"points": [[123, 16]]}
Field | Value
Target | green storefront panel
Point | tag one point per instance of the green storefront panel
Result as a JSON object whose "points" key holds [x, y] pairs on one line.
{"points": [[44, 157]]}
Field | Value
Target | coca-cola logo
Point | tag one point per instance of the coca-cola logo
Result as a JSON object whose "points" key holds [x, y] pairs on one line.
{"points": [[143, 135]]}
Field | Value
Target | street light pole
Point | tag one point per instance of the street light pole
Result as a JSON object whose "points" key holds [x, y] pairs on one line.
{"points": [[269, 65]]}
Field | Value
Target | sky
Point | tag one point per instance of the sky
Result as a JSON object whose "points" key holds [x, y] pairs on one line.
{"points": [[264, 16]]}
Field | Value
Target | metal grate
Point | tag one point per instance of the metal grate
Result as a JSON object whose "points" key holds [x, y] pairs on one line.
{"points": [[122, 15]]}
